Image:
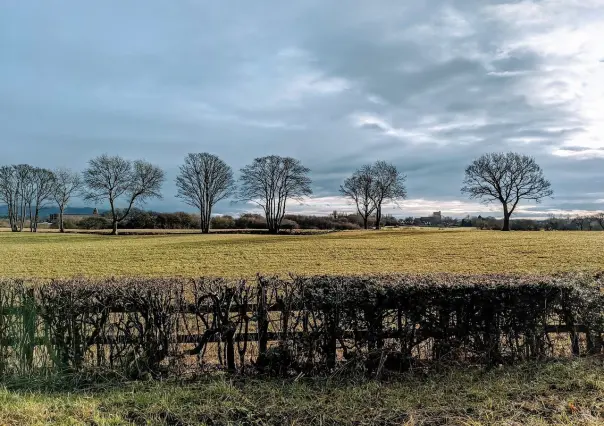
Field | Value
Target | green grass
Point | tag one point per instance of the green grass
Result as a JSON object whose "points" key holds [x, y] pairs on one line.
{"points": [[561, 393], [48, 255]]}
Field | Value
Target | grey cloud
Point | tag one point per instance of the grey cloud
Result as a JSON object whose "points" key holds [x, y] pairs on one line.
{"points": [[158, 80]]}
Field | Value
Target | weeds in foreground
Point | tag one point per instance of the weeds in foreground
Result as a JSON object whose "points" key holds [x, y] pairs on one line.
{"points": [[563, 392]]}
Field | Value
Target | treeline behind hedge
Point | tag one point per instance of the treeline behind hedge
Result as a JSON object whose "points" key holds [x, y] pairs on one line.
{"points": [[140, 219], [307, 325]]}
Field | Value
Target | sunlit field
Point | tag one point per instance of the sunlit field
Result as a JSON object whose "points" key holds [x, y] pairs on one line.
{"points": [[564, 392], [50, 255]]}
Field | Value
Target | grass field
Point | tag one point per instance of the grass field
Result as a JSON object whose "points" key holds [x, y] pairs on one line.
{"points": [[566, 392], [47, 255], [561, 393]]}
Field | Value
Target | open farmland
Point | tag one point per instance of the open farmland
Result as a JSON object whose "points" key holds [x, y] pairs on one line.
{"points": [[51, 255], [563, 391]]}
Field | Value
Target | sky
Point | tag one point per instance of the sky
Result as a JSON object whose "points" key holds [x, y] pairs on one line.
{"points": [[428, 86]]}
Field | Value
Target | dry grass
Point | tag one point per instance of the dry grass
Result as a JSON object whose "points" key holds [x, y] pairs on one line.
{"points": [[561, 393], [566, 392], [48, 255]]}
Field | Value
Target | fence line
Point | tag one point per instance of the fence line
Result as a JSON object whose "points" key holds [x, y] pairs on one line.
{"points": [[304, 324]]}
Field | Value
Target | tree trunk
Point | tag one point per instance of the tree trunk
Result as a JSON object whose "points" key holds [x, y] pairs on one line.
{"points": [[61, 225], [114, 230], [506, 219], [207, 222], [36, 218], [378, 218], [365, 222]]}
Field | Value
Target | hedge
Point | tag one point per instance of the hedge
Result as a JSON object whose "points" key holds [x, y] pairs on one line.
{"points": [[310, 325]]}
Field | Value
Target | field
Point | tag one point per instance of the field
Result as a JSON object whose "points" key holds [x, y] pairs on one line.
{"points": [[51, 255], [563, 392]]}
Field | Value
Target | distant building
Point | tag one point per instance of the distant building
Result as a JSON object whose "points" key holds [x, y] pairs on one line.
{"points": [[435, 219]]}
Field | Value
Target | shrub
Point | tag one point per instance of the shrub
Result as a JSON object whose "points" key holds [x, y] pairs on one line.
{"points": [[96, 222], [139, 219], [67, 224], [179, 220], [288, 225], [250, 221], [305, 324], [223, 222]]}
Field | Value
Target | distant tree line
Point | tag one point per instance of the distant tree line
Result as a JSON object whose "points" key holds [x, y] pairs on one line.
{"points": [[146, 219], [142, 219], [271, 183]]}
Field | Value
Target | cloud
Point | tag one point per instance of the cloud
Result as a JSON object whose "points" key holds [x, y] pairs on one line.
{"points": [[372, 122], [565, 35], [426, 85]]}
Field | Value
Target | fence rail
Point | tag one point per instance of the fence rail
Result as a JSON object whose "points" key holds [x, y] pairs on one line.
{"points": [[306, 324]]}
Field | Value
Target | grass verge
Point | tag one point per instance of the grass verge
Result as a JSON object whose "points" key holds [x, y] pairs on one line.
{"points": [[562, 393]]}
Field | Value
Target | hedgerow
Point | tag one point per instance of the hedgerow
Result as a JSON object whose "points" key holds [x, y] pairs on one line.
{"points": [[311, 325]]}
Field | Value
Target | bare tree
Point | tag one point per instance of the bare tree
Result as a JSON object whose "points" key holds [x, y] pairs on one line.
{"points": [[9, 194], [359, 188], [579, 222], [599, 217], [507, 178], [270, 182], [388, 185], [371, 185], [25, 193], [17, 191], [67, 185], [113, 178], [203, 181], [43, 186]]}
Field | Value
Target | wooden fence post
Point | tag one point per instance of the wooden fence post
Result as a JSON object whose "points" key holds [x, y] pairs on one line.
{"points": [[262, 319], [28, 313]]}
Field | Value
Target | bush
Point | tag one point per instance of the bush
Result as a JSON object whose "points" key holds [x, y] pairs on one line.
{"points": [[250, 221], [223, 222], [314, 324], [326, 222], [139, 219], [94, 222], [179, 220], [288, 225], [67, 224]]}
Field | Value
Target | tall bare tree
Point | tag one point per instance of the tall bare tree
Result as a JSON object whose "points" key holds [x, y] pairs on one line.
{"points": [[17, 191], [9, 194], [25, 193], [582, 221], [116, 179], [270, 182], [67, 185], [359, 188], [388, 184], [507, 178], [204, 180], [371, 185], [43, 186]]}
